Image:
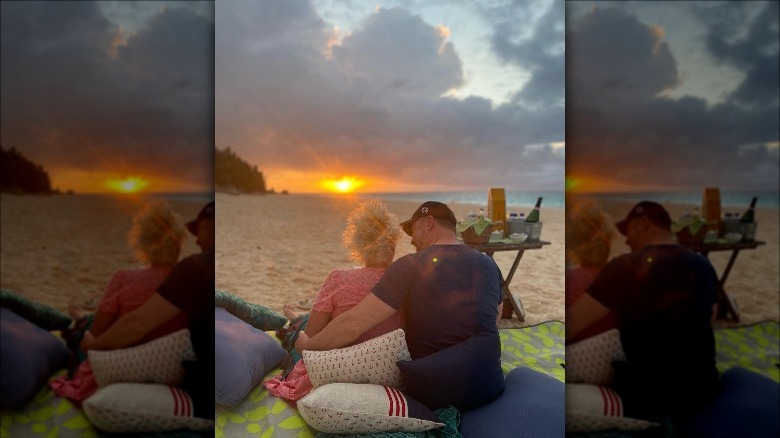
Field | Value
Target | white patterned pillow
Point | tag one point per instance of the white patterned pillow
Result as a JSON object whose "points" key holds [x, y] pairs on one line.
{"points": [[591, 408], [142, 407], [158, 361], [355, 408], [590, 360], [372, 361]]}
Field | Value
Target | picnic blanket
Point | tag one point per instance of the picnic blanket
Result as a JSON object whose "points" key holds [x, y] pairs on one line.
{"points": [[540, 347]]}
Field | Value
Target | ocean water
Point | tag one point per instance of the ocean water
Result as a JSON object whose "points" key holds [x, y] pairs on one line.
{"points": [[526, 200], [732, 199], [514, 199], [204, 197]]}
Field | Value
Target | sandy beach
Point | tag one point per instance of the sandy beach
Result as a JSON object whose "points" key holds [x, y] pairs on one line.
{"points": [[754, 280], [275, 250], [62, 249]]}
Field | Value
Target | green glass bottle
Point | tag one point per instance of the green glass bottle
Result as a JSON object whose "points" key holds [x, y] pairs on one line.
{"points": [[749, 216], [533, 216]]}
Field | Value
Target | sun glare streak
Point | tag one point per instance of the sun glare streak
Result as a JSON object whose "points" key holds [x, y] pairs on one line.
{"points": [[346, 184], [132, 184]]}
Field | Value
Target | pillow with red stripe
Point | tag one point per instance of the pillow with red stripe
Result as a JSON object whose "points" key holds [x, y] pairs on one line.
{"points": [[591, 408], [355, 408], [142, 407]]}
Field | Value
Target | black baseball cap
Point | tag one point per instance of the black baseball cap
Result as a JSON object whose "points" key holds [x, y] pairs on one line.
{"points": [[651, 210], [429, 208], [205, 213]]}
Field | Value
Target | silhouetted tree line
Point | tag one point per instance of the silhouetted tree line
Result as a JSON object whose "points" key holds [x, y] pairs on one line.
{"points": [[231, 172], [20, 175]]}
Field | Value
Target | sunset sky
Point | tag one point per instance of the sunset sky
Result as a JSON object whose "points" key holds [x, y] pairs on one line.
{"points": [[672, 95], [110, 93], [399, 95]]}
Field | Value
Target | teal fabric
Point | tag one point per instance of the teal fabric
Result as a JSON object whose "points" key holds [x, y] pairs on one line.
{"points": [[449, 416], [259, 317], [45, 317]]}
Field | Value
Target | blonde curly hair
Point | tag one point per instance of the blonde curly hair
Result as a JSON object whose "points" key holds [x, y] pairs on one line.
{"points": [[157, 234], [589, 232], [371, 234]]}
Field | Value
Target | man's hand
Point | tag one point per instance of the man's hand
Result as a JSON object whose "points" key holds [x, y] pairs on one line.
{"points": [[86, 341], [300, 344]]}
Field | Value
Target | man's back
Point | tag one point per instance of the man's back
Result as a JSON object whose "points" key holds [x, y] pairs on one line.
{"points": [[664, 296], [190, 287], [448, 293]]}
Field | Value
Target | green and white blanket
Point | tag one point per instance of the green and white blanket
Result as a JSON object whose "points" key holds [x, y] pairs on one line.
{"points": [[540, 347]]}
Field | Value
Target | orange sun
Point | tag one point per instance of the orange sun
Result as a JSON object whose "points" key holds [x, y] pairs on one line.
{"points": [[346, 184], [131, 184]]}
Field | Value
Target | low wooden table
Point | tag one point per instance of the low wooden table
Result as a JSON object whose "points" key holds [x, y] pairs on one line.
{"points": [[726, 305], [512, 302]]}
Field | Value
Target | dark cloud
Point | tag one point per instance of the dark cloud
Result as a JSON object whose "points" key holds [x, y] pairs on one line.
{"points": [[373, 105], [621, 128], [534, 45], [72, 99], [400, 52], [756, 53]]}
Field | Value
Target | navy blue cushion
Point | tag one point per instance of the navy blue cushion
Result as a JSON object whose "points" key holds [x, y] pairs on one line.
{"points": [[532, 405], [28, 356], [465, 375], [243, 355], [746, 404]]}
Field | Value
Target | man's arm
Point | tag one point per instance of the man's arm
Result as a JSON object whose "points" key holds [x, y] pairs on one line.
{"points": [[348, 326], [317, 322], [102, 322], [500, 311], [132, 327], [582, 314]]}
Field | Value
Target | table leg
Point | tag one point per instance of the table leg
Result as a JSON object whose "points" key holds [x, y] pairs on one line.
{"points": [[726, 305], [511, 302], [514, 305]]}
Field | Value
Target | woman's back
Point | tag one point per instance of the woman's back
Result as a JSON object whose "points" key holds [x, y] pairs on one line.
{"points": [[129, 288], [345, 288]]}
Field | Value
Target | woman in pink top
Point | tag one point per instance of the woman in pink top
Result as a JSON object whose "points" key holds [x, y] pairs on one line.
{"points": [[156, 237], [589, 234], [371, 236]]}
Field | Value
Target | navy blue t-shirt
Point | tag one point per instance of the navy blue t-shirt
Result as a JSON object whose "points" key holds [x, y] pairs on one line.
{"points": [[663, 295], [190, 286], [448, 293]]}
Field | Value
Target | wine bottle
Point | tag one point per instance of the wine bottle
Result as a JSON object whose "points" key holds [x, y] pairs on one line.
{"points": [[533, 216], [749, 215]]}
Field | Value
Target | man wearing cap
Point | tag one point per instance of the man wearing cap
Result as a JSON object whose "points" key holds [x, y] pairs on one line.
{"points": [[188, 287], [447, 291], [663, 294]]}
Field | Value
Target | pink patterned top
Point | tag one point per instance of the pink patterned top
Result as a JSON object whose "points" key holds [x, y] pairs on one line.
{"points": [[342, 290], [345, 288], [129, 288]]}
